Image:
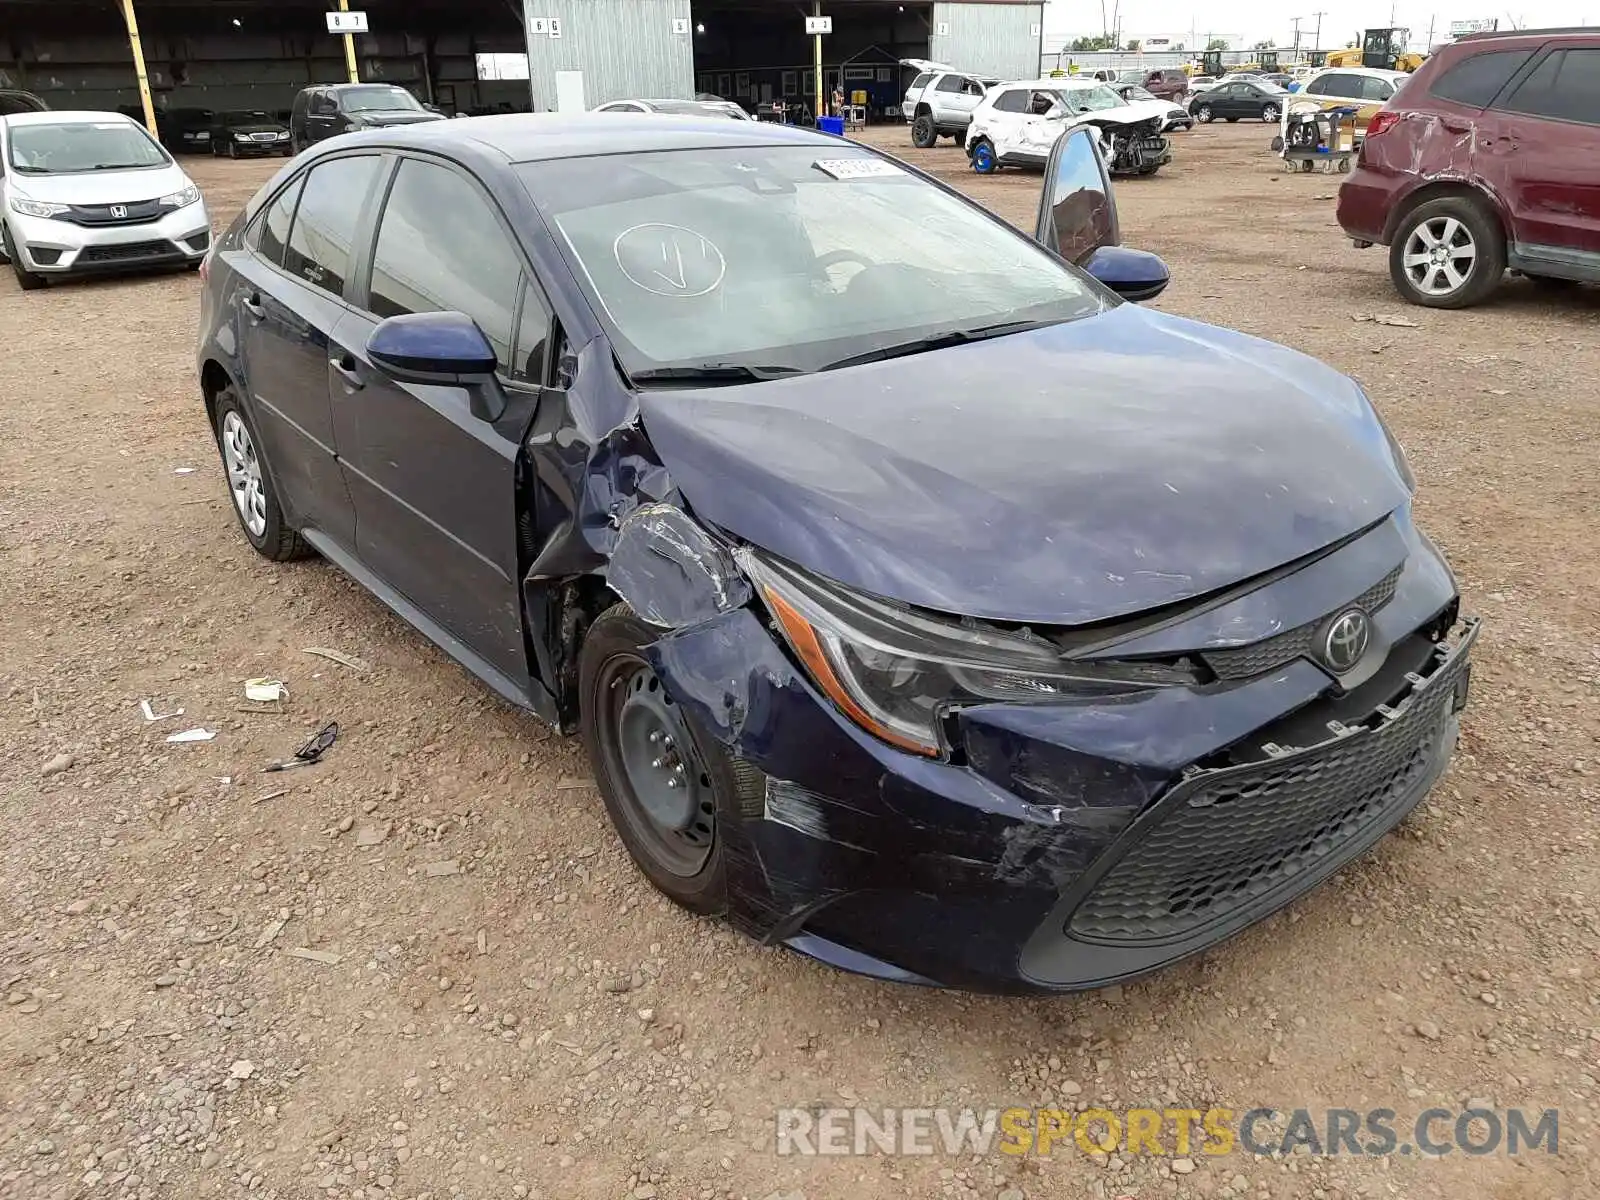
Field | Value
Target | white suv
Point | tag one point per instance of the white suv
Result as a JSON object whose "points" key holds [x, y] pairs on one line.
{"points": [[1018, 123], [940, 101]]}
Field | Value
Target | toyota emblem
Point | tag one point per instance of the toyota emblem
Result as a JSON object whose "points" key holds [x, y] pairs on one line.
{"points": [[118, 211], [1346, 640]]}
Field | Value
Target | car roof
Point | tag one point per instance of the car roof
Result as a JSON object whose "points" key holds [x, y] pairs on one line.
{"points": [[1375, 72], [535, 137], [1069, 82], [67, 117]]}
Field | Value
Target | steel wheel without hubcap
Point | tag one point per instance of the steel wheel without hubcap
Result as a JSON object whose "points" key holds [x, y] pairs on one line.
{"points": [[666, 795], [244, 474], [1439, 256]]}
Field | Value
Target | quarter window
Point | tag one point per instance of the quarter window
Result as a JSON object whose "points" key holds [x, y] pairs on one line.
{"points": [[948, 83], [270, 233], [331, 204], [1373, 88], [1565, 87], [1476, 81], [917, 84], [442, 249]]}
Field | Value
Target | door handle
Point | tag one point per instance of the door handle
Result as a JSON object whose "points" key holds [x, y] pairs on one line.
{"points": [[345, 365], [252, 305]]}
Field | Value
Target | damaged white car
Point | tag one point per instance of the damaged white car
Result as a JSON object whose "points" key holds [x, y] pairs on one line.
{"points": [[1017, 123]]}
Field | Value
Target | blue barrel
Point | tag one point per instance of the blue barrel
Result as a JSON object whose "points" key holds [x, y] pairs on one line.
{"points": [[833, 125]]}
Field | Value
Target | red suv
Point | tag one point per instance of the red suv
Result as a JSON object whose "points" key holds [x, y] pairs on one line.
{"points": [[1487, 158], [1169, 83]]}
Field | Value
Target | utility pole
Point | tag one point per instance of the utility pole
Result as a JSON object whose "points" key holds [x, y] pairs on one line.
{"points": [[816, 54], [1297, 21], [1316, 38]]}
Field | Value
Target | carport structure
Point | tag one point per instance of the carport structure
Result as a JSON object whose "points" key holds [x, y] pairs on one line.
{"points": [[254, 54], [758, 51]]}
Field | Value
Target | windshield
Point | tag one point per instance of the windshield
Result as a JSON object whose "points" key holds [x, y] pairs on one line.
{"points": [[377, 99], [1096, 99], [68, 147], [788, 258]]}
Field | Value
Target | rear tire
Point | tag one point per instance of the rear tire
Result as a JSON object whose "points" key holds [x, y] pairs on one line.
{"points": [[923, 133], [28, 281], [1269, 113], [1474, 250], [637, 739], [250, 485]]}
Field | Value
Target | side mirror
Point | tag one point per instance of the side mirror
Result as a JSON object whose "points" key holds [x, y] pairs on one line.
{"points": [[1077, 213], [446, 349], [1132, 274]]}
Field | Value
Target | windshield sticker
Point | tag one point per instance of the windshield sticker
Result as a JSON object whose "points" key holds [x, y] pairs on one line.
{"points": [[669, 260], [856, 168]]}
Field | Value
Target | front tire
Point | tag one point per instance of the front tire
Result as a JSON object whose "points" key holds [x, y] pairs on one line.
{"points": [[984, 160], [255, 498], [1203, 114], [924, 135], [28, 281], [1447, 253], [664, 788]]}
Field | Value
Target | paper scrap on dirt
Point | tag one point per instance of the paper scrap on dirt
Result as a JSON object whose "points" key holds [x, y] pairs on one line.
{"points": [[150, 714], [265, 690], [192, 735], [326, 957], [1386, 319], [340, 657]]}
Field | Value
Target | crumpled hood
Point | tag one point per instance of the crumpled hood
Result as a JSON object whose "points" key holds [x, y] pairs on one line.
{"points": [[1127, 114], [100, 187], [1063, 476]]}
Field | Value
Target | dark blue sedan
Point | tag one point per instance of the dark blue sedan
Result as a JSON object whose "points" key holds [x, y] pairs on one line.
{"points": [[910, 615]]}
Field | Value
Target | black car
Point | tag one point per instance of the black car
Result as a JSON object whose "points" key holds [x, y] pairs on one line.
{"points": [[329, 109], [249, 133], [182, 130], [909, 615], [1235, 99], [13, 100]]}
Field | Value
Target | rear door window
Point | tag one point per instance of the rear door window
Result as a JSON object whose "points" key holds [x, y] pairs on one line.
{"points": [[948, 83], [1014, 100], [1476, 81], [331, 205], [1373, 88], [1564, 87]]}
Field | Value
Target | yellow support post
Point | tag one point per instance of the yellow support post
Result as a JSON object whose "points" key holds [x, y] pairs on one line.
{"points": [[349, 47], [816, 54], [138, 67]]}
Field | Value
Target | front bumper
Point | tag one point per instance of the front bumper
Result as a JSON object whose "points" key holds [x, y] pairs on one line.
{"points": [[1071, 844], [251, 148], [54, 247]]}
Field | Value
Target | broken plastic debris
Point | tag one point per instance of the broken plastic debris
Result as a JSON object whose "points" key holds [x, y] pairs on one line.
{"points": [[326, 957], [151, 714], [338, 656], [184, 470], [192, 735], [311, 752], [1386, 319], [265, 690]]}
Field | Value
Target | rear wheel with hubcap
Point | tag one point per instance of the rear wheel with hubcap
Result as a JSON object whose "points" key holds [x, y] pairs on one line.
{"points": [[1447, 253], [1269, 113], [255, 500]]}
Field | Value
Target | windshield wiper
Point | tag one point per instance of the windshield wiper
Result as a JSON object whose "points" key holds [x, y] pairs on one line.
{"points": [[937, 341], [119, 166], [712, 374]]}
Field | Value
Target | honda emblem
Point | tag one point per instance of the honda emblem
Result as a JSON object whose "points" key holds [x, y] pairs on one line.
{"points": [[118, 211]]}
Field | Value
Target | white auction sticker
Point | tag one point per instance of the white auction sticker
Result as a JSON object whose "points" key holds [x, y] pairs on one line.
{"points": [[856, 168]]}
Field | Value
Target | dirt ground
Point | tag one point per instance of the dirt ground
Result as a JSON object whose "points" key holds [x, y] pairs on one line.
{"points": [[496, 1005]]}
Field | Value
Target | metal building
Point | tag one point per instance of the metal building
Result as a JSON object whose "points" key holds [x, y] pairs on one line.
{"points": [[586, 52]]}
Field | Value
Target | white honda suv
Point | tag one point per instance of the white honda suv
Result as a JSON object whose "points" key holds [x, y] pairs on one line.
{"points": [[84, 192]]}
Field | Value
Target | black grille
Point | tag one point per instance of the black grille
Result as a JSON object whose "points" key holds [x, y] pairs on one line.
{"points": [[1275, 651], [127, 252], [96, 215], [1227, 838]]}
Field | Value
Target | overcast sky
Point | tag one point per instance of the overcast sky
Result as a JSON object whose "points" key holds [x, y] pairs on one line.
{"points": [[1244, 22]]}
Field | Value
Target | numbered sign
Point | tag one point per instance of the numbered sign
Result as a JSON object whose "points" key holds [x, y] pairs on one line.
{"points": [[818, 25], [347, 22]]}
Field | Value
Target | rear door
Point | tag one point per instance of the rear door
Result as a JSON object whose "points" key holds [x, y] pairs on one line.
{"points": [[435, 487], [288, 294], [1538, 147]]}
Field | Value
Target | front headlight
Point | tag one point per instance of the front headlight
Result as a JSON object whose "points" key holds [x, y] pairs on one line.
{"points": [[897, 672], [241, 137], [38, 208], [181, 199]]}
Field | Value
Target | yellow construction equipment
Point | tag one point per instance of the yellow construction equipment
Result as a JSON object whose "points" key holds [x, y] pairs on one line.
{"points": [[1381, 49]]}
